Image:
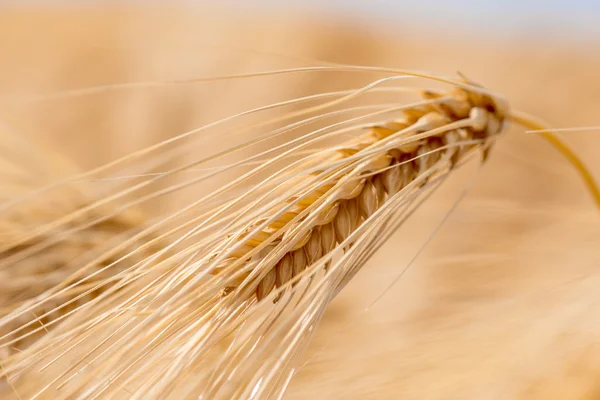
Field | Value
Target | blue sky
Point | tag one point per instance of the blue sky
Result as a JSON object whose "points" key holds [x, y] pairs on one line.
{"points": [[567, 16], [557, 18]]}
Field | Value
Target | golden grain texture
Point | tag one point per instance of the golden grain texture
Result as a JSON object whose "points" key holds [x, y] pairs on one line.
{"points": [[504, 301], [433, 136]]}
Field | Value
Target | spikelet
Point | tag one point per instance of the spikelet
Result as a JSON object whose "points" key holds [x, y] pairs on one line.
{"points": [[223, 304]]}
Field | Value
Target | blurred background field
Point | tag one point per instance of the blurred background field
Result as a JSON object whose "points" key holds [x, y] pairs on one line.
{"points": [[502, 303]]}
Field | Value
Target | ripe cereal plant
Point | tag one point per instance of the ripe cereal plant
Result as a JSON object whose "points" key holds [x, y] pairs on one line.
{"points": [[151, 306], [219, 299]]}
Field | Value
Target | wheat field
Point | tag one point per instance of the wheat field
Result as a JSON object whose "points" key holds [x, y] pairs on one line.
{"points": [[501, 304]]}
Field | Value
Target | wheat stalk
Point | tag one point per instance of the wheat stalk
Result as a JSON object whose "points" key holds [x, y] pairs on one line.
{"points": [[225, 309]]}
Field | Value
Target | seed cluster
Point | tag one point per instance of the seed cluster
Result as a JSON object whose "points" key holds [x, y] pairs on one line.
{"points": [[356, 200]]}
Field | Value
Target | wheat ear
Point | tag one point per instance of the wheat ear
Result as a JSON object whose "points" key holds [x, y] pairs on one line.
{"points": [[228, 313], [454, 123], [351, 201]]}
